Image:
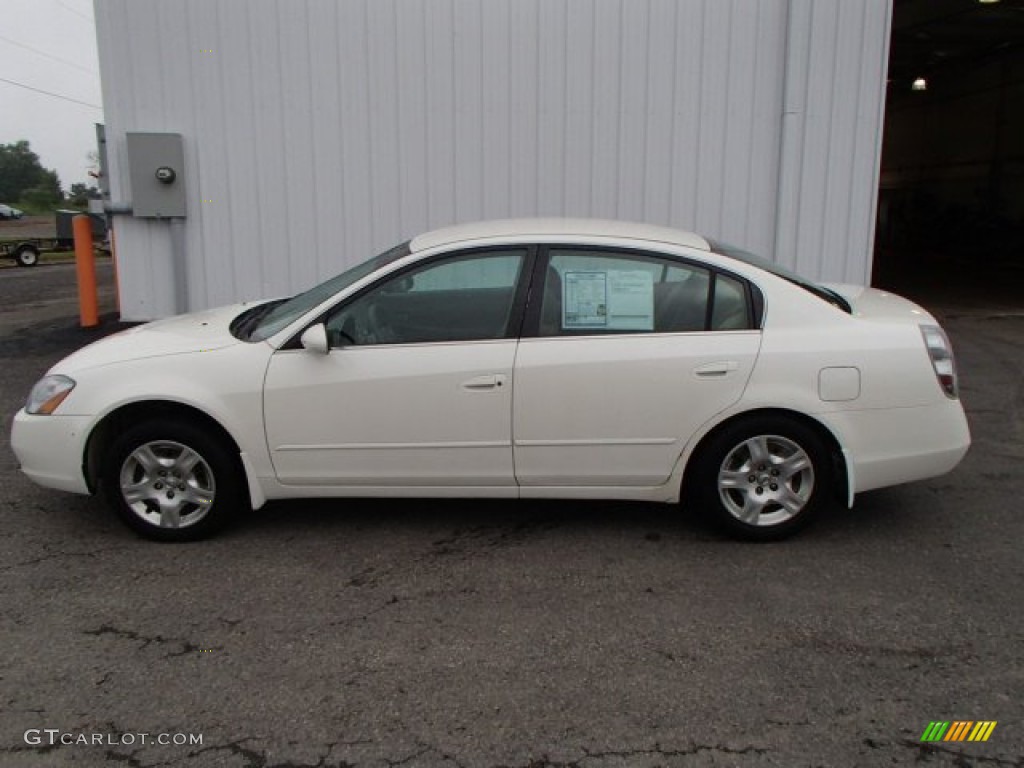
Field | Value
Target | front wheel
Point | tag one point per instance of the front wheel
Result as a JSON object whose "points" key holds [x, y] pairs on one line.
{"points": [[172, 481], [763, 478]]}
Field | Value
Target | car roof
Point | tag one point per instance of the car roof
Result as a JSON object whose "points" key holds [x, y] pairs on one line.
{"points": [[545, 228]]}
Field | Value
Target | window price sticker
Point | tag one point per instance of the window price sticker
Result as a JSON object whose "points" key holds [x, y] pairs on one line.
{"points": [[620, 300]]}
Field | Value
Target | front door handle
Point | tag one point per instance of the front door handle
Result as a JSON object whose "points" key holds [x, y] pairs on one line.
{"points": [[488, 381], [717, 368]]}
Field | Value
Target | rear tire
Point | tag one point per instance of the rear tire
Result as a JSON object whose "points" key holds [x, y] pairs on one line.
{"points": [[763, 478], [172, 481], [26, 255]]}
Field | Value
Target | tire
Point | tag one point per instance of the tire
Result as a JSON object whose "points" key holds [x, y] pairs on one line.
{"points": [[763, 478], [26, 255], [172, 481]]}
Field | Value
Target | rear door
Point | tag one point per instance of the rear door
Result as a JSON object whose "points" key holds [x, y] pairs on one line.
{"points": [[626, 354]]}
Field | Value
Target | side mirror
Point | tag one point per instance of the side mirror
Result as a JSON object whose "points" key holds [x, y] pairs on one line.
{"points": [[314, 339]]}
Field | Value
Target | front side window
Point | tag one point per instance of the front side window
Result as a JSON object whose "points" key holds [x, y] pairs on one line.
{"points": [[265, 320], [462, 298], [594, 292]]}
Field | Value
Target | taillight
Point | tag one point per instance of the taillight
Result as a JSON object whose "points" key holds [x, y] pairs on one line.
{"points": [[941, 353]]}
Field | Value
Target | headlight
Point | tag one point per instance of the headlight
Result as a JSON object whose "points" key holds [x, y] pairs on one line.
{"points": [[48, 393]]}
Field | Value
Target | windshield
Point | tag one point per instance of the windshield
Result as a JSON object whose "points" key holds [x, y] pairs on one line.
{"points": [[279, 315], [724, 249]]}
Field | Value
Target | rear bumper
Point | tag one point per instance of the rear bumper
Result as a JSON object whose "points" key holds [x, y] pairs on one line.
{"points": [[50, 449], [900, 445]]}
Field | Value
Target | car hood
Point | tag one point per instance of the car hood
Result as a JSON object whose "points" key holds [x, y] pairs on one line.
{"points": [[195, 332], [873, 304]]}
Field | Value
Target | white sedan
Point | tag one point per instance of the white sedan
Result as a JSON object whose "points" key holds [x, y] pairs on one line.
{"points": [[513, 359], [7, 212]]}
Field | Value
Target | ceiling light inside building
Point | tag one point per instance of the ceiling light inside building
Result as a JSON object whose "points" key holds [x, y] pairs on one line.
{"points": [[920, 84]]}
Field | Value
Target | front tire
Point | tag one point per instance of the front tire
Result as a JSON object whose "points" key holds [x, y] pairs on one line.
{"points": [[763, 478], [172, 481]]}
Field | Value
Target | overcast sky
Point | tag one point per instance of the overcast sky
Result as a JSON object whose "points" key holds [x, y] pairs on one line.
{"points": [[50, 45]]}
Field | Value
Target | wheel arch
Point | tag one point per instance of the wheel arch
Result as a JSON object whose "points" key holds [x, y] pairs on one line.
{"points": [[128, 414], [840, 465]]}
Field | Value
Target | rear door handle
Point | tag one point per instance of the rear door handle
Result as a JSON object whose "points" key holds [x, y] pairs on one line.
{"points": [[717, 368], [488, 381]]}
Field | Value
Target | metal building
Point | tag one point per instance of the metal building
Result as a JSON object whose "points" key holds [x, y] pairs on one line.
{"points": [[318, 132]]}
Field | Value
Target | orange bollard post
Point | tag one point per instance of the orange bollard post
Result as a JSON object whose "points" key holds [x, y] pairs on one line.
{"points": [[113, 261], [85, 267]]}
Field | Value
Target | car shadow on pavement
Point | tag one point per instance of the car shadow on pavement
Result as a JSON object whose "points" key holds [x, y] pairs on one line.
{"points": [[316, 518]]}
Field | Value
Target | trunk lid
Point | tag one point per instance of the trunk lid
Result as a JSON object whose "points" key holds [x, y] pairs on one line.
{"points": [[874, 304]]}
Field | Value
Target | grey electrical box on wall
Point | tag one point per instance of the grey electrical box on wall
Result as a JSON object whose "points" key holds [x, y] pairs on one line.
{"points": [[156, 166]]}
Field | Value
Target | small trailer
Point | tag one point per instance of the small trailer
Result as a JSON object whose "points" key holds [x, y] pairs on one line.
{"points": [[26, 250]]}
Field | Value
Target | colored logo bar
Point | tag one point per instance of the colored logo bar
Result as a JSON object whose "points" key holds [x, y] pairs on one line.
{"points": [[959, 730]]}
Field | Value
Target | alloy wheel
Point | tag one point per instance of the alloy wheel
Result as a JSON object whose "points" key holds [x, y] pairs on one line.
{"points": [[167, 484]]}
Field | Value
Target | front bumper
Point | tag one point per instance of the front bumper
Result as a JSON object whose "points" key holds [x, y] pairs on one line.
{"points": [[50, 449]]}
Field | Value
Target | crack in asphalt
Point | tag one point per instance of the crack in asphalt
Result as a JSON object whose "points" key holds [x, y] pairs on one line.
{"points": [[393, 600], [491, 535], [59, 555], [852, 647], [257, 759], [409, 759], [130, 759], [693, 749], [962, 759], [42, 749], [254, 758], [656, 751], [187, 646], [452, 544]]}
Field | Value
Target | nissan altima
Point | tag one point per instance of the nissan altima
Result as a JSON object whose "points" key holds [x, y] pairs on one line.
{"points": [[545, 358]]}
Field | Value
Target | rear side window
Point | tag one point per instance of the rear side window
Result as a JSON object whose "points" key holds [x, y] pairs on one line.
{"points": [[587, 292], [724, 249], [731, 311]]}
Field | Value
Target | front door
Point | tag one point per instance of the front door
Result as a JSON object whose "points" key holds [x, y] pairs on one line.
{"points": [[416, 390]]}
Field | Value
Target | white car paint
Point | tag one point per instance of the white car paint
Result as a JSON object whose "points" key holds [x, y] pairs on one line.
{"points": [[617, 410], [614, 416], [396, 407]]}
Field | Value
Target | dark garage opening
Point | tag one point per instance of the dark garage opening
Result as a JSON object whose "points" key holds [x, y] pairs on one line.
{"points": [[951, 198]]}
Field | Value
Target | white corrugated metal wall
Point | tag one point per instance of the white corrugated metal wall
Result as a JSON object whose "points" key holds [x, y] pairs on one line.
{"points": [[318, 132]]}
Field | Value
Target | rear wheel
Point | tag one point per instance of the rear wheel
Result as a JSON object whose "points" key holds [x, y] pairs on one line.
{"points": [[172, 481], [26, 255], [763, 478]]}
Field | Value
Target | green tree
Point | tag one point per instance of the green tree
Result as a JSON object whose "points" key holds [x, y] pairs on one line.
{"points": [[80, 194], [23, 177]]}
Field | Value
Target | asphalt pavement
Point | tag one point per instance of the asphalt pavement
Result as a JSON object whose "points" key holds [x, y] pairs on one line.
{"points": [[482, 633]]}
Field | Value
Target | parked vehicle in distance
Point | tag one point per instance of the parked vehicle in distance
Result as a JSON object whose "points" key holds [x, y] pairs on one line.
{"points": [[27, 251], [9, 212], [542, 358], [24, 253]]}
